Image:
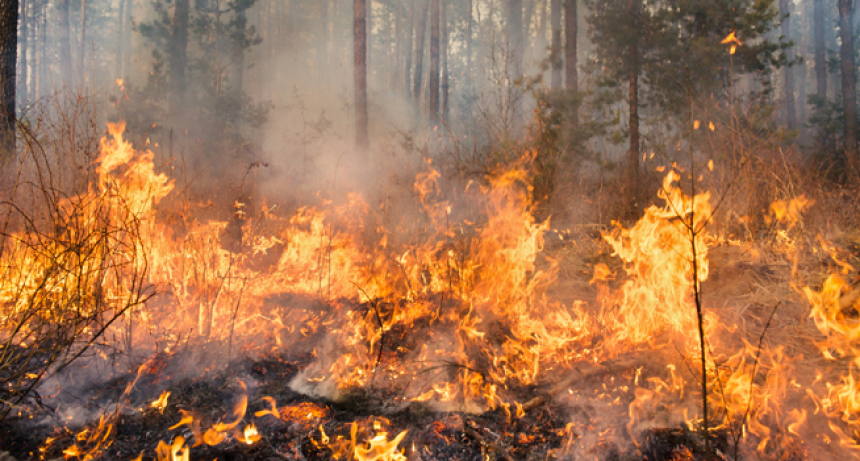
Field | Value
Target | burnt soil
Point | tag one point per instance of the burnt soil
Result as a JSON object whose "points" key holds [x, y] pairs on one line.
{"points": [[539, 434]]}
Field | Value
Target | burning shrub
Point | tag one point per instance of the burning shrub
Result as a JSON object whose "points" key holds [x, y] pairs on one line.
{"points": [[68, 277]]}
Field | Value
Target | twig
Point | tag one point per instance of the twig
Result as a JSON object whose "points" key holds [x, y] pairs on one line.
{"points": [[476, 436]]}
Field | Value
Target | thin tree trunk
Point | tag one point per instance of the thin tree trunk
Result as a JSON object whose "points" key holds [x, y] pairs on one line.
{"points": [[788, 71], [82, 61], [410, 33], [570, 36], [802, 71], [120, 39], [360, 75], [40, 55], [8, 62], [64, 38], [178, 53], [127, 37], [633, 154], [820, 49], [322, 56], [398, 48], [443, 5], [514, 28], [528, 16], [469, 40], [849, 92], [22, 85], [419, 51], [555, 49], [433, 81], [239, 64], [368, 19]]}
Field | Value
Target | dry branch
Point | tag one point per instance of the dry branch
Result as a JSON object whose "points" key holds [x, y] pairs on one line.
{"points": [[476, 436]]}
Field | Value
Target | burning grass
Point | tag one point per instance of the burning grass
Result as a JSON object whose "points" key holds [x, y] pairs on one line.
{"points": [[437, 325]]}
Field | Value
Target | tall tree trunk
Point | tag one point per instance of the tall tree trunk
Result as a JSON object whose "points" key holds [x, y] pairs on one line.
{"points": [[398, 48], [178, 53], [82, 60], [433, 81], [83, 40], [570, 36], [527, 18], [443, 5], [788, 71], [368, 20], [514, 28], [65, 40], [322, 55], [127, 37], [469, 21], [410, 33], [419, 51], [849, 92], [360, 75], [120, 40], [633, 154], [239, 63], [41, 72], [818, 20], [555, 49], [22, 85], [8, 62]]}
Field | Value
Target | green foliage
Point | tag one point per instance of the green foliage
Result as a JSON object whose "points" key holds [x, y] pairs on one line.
{"points": [[671, 36], [214, 108]]}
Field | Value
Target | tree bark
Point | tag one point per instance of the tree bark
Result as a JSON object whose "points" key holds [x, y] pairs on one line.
{"points": [[65, 40], [433, 82], [570, 36], [849, 92], [368, 20], [468, 39], [633, 154], [179, 53], [514, 28], [120, 40], [443, 14], [820, 49], [410, 33], [82, 60], [8, 62], [360, 75], [555, 49], [41, 71], [239, 45], [322, 55], [788, 71], [22, 85], [419, 51]]}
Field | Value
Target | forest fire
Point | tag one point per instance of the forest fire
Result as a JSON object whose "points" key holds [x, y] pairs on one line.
{"points": [[648, 254], [453, 320]]}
